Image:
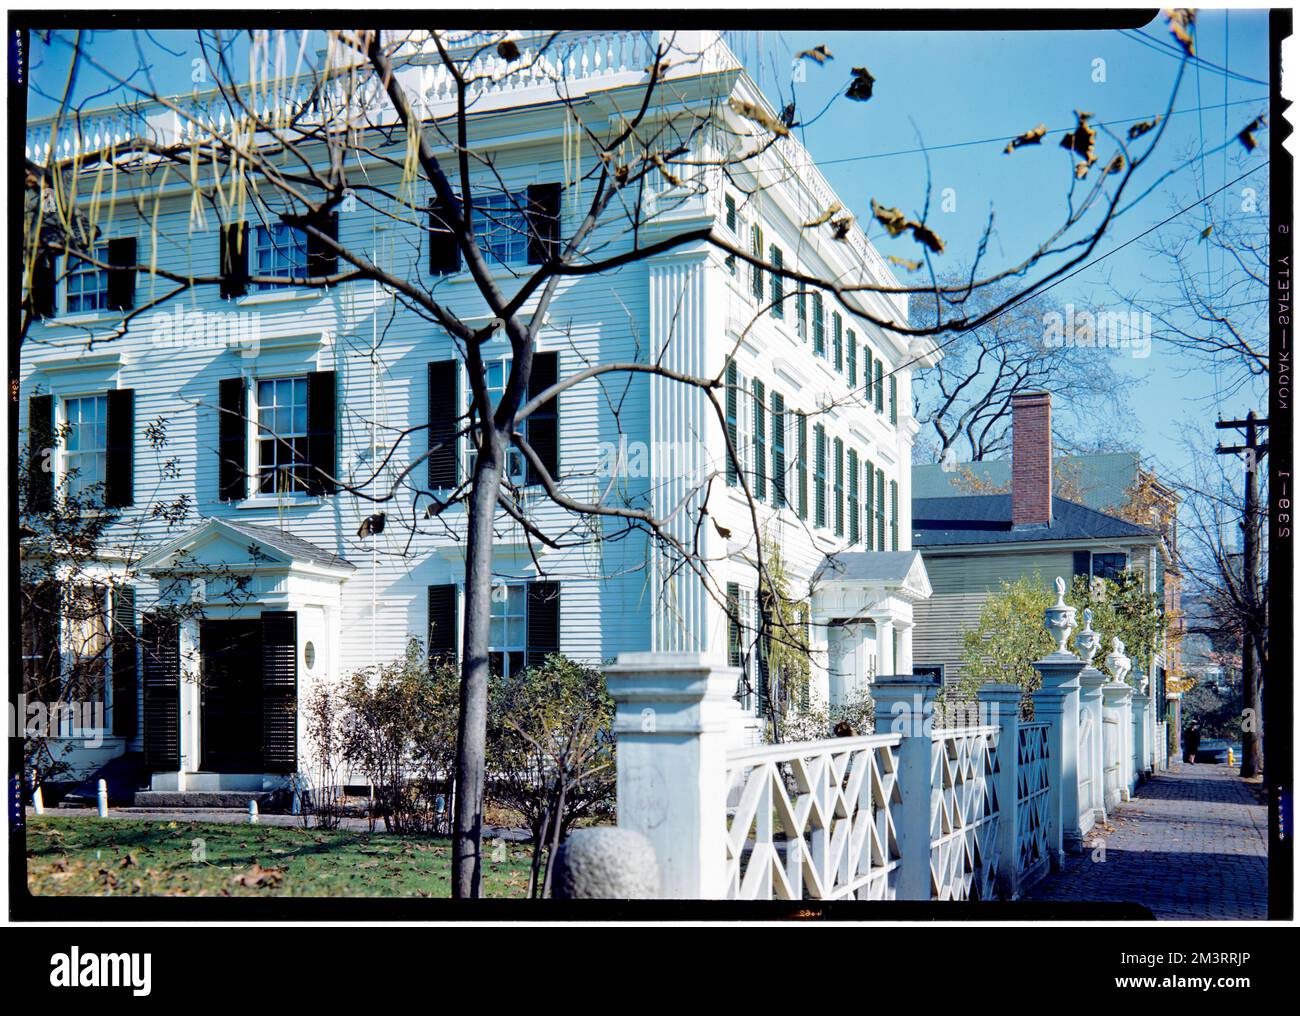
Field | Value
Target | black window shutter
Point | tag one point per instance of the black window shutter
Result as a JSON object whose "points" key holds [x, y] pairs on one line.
{"points": [[801, 459], [444, 403], [1082, 562], [444, 251], [322, 258], [543, 222], [778, 450], [120, 459], [543, 426], [870, 476], [234, 259], [160, 668], [893, 514], [279, 691], [732, 408], [321, 439], [125, 705], [121, 279], [760, 440], [40, 453], [543, 635], [232, 444], [442, 624], [43, 290], [43, 666]]}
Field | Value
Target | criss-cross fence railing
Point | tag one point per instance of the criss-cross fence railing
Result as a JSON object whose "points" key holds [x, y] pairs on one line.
{"points": [[1032, 805], [814, 820], [964, 811]]}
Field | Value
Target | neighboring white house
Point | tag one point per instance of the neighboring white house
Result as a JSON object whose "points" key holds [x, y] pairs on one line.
{"points": [[820, 404]]}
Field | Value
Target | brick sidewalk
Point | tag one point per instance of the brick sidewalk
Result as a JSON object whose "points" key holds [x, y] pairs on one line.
{"points": [[1192, 844]]}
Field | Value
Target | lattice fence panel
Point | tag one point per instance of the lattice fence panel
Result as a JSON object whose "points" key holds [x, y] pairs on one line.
{"points": [[814, 820], [964, 852], [1032, 786]]}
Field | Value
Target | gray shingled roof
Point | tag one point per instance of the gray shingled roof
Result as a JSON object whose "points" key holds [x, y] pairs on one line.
{"points": [[873, 567], [986, 518], [1102, 480], [296, 547]]}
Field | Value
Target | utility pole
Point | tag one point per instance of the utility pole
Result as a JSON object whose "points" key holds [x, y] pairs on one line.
{"points": [[1252, 754]]}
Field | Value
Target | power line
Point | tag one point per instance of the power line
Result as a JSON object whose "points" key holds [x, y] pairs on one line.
{"points": [[1009, 137], [1176, 53]]}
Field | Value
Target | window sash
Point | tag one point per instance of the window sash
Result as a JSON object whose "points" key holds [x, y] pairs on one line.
{"points": [[85, 286], [501, 227], [281, 434], [280, 251], [85, 442]]}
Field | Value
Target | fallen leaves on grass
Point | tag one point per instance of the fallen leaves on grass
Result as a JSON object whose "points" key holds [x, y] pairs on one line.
{"points": [[258, 877]]}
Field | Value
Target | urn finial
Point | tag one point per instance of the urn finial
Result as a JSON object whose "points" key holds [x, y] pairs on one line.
{"points": [[1118, 663], [1087, 641], [1058, 619]]}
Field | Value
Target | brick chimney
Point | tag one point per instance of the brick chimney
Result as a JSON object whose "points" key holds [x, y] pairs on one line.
{"points": [[1031, 459]]}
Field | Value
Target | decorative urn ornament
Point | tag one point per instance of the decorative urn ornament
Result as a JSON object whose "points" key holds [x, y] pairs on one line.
{"points": [[1058, 619], [1118, 663], [1087, 641]]}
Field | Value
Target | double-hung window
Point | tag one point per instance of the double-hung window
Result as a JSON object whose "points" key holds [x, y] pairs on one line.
{"points": [[280, 251], [508, 629], [496, 376], [86, 285], [1109, 566], [282, 435], [501, 227], [85, 454]]}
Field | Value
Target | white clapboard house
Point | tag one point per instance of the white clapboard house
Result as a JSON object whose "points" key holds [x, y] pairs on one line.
{"points": [[818, 402]]}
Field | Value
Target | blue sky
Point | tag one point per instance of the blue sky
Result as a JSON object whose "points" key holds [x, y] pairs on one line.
{"points": [[942, 89]]}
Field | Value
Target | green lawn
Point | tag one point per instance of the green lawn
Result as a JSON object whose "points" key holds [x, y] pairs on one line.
{"points": [[99, 857]]}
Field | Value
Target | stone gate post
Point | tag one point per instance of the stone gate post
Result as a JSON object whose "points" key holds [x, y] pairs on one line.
{"points": [[1002, 702]]}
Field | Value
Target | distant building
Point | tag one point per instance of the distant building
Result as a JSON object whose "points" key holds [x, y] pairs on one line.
{"points": [[973, 542]]}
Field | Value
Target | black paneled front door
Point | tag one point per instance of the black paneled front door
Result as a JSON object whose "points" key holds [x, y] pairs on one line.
{"points": [[231, 696]]}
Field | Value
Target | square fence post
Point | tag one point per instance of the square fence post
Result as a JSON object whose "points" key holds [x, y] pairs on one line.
{"points": [[905, 706], [1142, 734], [1057, 704], [672, 722], [1092, 754], [1117, 700], [1002, 703]]}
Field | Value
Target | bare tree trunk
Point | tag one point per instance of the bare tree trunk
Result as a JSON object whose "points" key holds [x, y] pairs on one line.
{"points": [[557, 824], [471, 753], [539, 844]]}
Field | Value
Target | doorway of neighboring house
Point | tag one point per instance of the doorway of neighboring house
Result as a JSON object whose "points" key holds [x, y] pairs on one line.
{"points": [[231, 696], [847, 656]]}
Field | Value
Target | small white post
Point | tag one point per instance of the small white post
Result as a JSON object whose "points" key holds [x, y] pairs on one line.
{"points": [[1142, 734], [38, 799], [672, 721], [905, 705], [252, 811], [101, 799]]}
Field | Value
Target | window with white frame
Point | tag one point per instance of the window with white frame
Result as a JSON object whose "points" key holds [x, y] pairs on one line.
{"points": [[508, 629], [501, 227], [85, 287], [281, 434], [85, 443], [496, 375], [279, 250]]}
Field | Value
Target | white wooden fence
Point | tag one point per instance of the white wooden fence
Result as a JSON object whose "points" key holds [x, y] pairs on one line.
{"points": [[911, 812]]}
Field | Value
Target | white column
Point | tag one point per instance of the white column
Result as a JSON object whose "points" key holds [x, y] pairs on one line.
{"points": [[189, 692], [885, 645], [1117, 698], [1093, 768], [671, 723], [904, 662]]}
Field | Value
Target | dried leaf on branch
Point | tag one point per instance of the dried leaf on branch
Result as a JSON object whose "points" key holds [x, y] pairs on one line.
{"points": [[1141, 127], [1181, 20], [860, 86], [1247, 134], [819, 53], [759, 115], [1033, 137], [825, 216], [911, 266], [896, 223], [507, 50]]}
